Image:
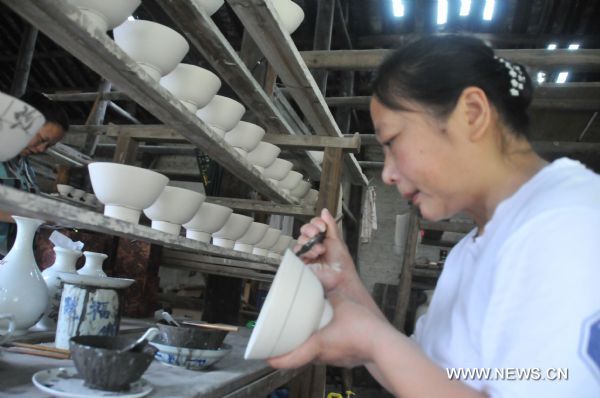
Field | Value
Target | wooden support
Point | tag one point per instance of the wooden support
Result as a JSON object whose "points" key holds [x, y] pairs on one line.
{"points": [[322, 37], [126, 150], [329, 189], [408, 260], [26, 50], [261, 206], [96, 116], [87, 97]]}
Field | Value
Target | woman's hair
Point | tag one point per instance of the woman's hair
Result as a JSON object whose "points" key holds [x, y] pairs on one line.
{"points": [[434, 71], [52, 112]]}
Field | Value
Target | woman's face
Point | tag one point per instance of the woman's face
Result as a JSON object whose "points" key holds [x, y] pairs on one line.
{"points": [[46, 137], [424, 159]]}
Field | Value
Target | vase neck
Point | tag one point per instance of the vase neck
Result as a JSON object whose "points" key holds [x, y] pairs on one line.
{"points": [[65, 260], [26, 228]]}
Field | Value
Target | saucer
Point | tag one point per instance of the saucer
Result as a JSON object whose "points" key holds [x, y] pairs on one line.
{"points": [[66, 383], [95, 281]]}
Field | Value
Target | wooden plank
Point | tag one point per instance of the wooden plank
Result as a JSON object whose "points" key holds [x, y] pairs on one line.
{"points": [[259, 20], [329, 189], [580, 60], [96, 116], [23, 66], [261, 206], [64, 24], [87, 97], [126, 149], [314, 142], [204, 35], [211, 269], [322, 37], [26, 204], [226, 262]]}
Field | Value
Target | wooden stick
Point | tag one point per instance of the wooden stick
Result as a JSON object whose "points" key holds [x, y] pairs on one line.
{"points": [[216, 326], [38, 353], [41, 348]]}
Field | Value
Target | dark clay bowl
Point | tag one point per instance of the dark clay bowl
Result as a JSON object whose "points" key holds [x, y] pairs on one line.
{"points": [[103, 368], [188, 336]]}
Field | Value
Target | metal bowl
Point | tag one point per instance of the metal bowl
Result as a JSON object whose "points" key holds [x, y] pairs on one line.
{"points": [[188, 336]]}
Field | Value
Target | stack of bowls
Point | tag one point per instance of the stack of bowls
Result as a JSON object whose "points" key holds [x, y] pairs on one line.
{"points": [[244, 137], [208, 219], [222, 114], [235, 227], [263, 155], [194, 86]]}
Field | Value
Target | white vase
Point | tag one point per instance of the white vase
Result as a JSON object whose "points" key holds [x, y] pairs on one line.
{"points": [[93, 264], [64, 262], [23, 291]]}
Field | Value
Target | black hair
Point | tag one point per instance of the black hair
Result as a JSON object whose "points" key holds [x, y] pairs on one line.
{"points": [[52, 112], [434, 71]]}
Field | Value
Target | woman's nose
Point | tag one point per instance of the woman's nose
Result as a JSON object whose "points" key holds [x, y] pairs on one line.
{"points": [[389, 174]]}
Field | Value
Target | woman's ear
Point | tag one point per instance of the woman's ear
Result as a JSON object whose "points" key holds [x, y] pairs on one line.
{"points": [[475, 112]]}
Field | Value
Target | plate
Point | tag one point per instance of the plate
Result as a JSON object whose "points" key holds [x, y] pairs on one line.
{"points": [[193, 359], [96, 281], [65, 382]]}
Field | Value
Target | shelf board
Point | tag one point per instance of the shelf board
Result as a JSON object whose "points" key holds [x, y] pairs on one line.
{"points": [[70, 29], [203, 34], [17, 202], [258, 17]]}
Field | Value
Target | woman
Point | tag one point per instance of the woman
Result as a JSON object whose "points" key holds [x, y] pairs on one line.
{"points": [[518, 292]]}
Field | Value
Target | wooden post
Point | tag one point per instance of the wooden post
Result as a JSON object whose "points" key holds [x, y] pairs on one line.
{"points": [[96, 116], [21, 76], [322, 37], [329, 189], [408, 259], [126, 149], [62, 175]]}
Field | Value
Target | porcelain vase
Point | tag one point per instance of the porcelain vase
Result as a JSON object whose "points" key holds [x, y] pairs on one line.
{"points": [[65, 260], [93, 264], [23, 291]]}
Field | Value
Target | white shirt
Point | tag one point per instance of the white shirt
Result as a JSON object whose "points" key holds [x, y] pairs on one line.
{"points": [[526, 293]]}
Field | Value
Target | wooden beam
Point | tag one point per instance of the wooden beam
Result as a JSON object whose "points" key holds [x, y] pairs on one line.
{"points": [[279, 49], [204, 35], [260, 206], [96, 116], [126, 150], [87, 97], [580, 60], [322, 37], [21, 75], [314, 142], [64, 24], [329, 189]]}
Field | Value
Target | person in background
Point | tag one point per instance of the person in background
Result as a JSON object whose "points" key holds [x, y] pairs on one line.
{"points": [[518, 292], [17, 172]]}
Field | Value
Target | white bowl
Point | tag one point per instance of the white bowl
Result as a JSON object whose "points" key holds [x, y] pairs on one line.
{"points": [[262, 247], [210, 6], [245, 136], [294, 309], [174, 206], [290, 181], [106, 14], [301, 189], [222, 114], [235, 227], [125, 190], [192, 85], [311, 197], [77, 194], [208, 219], [155, 47], [263, 155], [278, 169], [193, 359], [255, 233], [290, 14], [64, 190], [282, 244], [318, 155], [19, 122]]}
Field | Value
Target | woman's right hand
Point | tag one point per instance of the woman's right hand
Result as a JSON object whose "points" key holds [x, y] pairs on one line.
{"points": [[330, 260]]}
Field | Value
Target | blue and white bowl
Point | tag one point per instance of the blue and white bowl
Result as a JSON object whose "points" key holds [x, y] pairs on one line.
{"points": [[193, 359]]}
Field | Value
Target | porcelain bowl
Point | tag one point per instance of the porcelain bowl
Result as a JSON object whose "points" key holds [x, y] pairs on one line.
{"points": [[262, 247], [210, 6], [174, 206], [155, 47], [192, 85], [290, 181], [104, 368], [208, 219], [125, 190], [245, 136], [192, 359], [301, 189], [295, 308], [290, 13], [311, 197], [255, 233], [282, 244], [64, 190], [317, 155], [106, 14], [77, 194], [188, 336], [235, 227], [19, 122], [222, 114], [278, 169], [263, 155]]}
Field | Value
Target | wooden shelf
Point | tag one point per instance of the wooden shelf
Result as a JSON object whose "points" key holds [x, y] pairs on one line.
{"points": [[258, 17], [26, 204], [64, 24]]}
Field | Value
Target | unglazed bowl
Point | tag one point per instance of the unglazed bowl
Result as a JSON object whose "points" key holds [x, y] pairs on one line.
{"points": [[210, 6], [290, 181], [263, 155], [106, 14], [174, 207], [208, 219], [262, 247], [255, 233], [278, 169], [222, 114], [290, 14], [192, 85], [245, 136], [155, 47], [125, 190], [301, 189], [235, 227]]}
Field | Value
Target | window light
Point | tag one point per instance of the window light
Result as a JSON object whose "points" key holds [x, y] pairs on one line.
{"points": [[574, 46], [562, 77], [551, 46], [465, 7], [442, 12], [488, 10], [398, 8]]}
